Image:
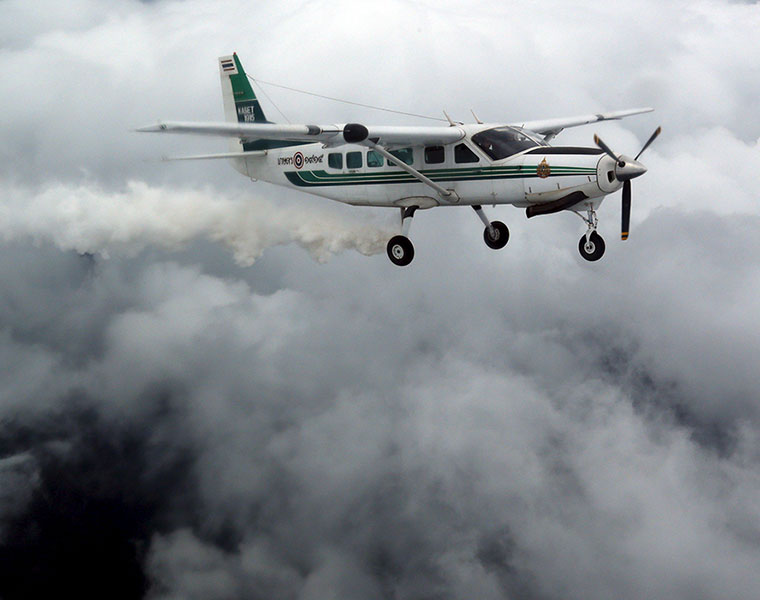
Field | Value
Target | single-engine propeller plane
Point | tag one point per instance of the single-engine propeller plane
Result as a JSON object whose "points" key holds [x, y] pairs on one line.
{"points": [[413, 168]]}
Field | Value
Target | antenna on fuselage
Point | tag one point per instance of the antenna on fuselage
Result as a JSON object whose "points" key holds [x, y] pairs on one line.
{"points": [[478, 121], [451, 123]]}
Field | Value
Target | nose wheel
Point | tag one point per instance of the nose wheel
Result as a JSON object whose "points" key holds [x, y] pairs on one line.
{"points": [[591, 245]]}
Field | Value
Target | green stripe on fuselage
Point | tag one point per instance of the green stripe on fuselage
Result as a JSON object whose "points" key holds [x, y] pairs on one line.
{"points": [[323, 178]]}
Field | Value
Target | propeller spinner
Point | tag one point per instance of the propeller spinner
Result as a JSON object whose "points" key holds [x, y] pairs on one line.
{"points": [[627, 168]]}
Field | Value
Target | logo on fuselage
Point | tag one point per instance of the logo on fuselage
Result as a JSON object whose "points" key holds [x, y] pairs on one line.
{"points": [[298, 160], [543, 170]]}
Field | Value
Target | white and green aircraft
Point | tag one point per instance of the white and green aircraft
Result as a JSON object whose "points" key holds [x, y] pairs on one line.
{"points": [[413, 168]]}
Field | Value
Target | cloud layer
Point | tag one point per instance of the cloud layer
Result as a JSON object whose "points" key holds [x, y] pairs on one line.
{"points": [[191, 406]]}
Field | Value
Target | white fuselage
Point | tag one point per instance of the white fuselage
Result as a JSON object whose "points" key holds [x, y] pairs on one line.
{"points": [[533, 176]]}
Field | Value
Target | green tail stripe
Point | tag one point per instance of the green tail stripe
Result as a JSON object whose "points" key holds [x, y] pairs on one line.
{"points": [[241, 87], [246, 103], [249, 110]]}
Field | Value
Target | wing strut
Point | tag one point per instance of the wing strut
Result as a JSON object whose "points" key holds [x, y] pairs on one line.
{"points": [[450, 195]]}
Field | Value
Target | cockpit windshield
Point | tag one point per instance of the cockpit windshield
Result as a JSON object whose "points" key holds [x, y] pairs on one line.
{"points": [[501, 142]]}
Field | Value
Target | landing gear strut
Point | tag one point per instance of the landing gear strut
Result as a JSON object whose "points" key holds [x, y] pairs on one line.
{"points": [[496, 234], [400, 248], [591, 245]]}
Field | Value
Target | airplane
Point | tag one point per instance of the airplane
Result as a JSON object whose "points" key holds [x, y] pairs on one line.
{"points": [[413, 168]]}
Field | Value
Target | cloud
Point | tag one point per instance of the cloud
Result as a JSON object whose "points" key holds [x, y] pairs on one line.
{"points": [[495, 424], [434, 460]]}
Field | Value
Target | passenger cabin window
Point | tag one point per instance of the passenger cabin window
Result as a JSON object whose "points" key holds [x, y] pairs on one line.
{"points": [[354, 160], [335, 160], [374, 159], [501, 142], [405, 155], [434, 155], [462, 154]]}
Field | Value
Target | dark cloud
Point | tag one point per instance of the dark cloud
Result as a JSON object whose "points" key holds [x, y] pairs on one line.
{"points": [[181, 417], [97, 492]]}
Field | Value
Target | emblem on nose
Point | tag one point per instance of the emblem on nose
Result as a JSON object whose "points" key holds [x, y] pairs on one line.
{"points": [[543, 170]]}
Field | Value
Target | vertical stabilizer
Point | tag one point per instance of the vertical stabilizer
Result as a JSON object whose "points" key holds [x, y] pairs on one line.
{"points": [[240, 103], [242, 106]]}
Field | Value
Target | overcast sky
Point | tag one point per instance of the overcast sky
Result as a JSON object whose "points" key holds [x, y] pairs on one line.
{"points": [[213, 388]]}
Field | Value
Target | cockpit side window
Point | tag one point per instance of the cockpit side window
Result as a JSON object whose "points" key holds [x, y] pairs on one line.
{"points": [[501, 142]]}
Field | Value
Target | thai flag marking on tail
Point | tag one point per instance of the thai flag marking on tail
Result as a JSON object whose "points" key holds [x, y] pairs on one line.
{"points": [[228, 65]]}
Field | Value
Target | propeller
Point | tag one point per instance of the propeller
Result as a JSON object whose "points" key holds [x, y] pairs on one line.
{"points": [[652, 138], [627, 168], [626, 210]]}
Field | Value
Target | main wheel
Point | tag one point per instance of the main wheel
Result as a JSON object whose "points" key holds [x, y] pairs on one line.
{"points": [[500, 237], [400, 250], [593, 249]]}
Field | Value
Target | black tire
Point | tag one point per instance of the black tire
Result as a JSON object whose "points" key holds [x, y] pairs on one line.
{"points": [[595, 248], [400, 250], [500, 239]]}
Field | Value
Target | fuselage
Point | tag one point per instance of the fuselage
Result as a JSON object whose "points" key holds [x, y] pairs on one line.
{"points": [[490, 164]]}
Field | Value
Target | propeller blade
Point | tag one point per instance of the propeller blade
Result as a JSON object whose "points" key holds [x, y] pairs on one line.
{"points": [[598, 141], [626, 210], [649, 141]]}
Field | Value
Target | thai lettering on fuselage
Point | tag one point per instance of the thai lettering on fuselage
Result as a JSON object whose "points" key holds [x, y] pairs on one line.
{"points": [[298, 160]]}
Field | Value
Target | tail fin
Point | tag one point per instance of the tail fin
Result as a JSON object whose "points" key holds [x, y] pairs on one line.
{"points": [[241, 104]]}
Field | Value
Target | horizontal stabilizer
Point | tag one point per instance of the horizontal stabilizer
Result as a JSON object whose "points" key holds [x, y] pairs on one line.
{"points": [[250, 154]]}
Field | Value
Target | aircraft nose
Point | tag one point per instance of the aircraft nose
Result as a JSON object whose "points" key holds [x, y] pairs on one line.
{"points": [[629, 168]]}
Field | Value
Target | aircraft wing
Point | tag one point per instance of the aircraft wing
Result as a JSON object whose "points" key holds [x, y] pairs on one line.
{"points": [[334, 135], [553, 126]]}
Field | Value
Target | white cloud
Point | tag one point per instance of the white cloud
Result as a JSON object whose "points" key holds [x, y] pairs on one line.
{"points": [[509, 424]]}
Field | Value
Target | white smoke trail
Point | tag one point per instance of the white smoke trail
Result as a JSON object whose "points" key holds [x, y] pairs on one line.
{"points": [[87, 218]]}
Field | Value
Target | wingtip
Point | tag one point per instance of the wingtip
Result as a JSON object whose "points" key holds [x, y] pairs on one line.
{"points": [[150, 128]]}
